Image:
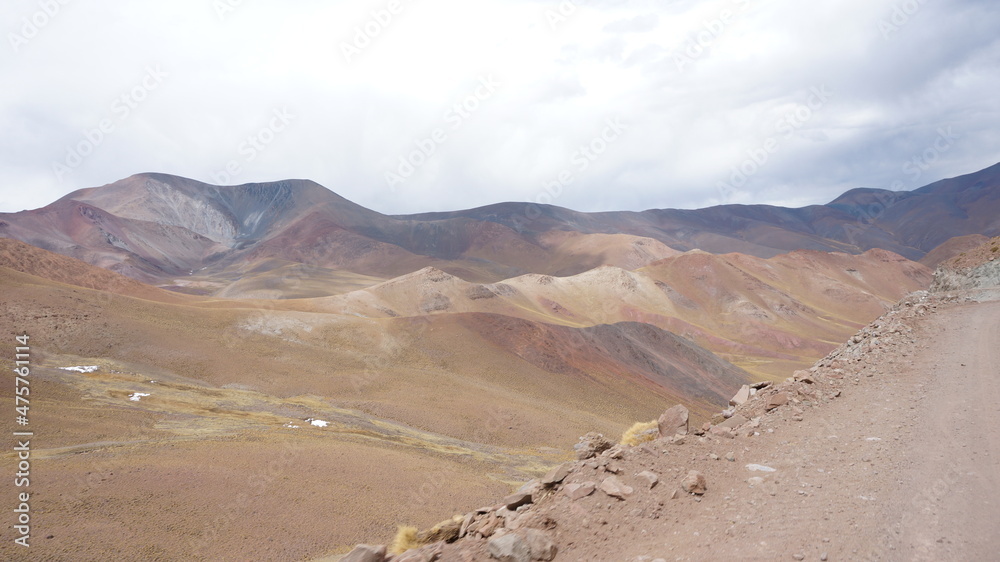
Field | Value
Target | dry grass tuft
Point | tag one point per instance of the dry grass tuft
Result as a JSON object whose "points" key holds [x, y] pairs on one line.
{"points": [[640, 432], [406, 539]]}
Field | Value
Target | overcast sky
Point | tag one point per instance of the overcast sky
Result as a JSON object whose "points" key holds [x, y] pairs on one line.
{"points": [[417, 105]]}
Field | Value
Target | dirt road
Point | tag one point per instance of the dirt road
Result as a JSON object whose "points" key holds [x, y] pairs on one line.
{"points": [[948, 505], [904, 466]]}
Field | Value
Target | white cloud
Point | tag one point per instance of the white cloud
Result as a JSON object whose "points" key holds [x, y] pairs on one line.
{"points": [[700, 86]]}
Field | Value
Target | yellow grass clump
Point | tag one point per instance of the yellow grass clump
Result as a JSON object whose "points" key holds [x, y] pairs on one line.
{"points": [[406, 539], [639, 433]]}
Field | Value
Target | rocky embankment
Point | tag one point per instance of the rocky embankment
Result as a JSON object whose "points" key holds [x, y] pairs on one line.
{"points": [[976, 269]]}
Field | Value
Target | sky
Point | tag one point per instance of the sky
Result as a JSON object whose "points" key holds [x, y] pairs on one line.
{"points": [[408, 106]]}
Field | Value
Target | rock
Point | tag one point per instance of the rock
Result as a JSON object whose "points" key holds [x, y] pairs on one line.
{"points": [[694, 483], [616, 452], [517, 499], [804, 376], [649, 477], [490, 526], [674, 421], [755, 480], [366, 553], [446, 531], [428, 553], [557, 474], [779, 399], [722, 432], [760, 385], [742, 396], [540, 546], [799, 556], [614, 487], [731, 456], [591, 445], [678, 440], [464, 529], [760, 468], [734, 422], [509, 548], [674, 495], [713, 456], [577, 491]]}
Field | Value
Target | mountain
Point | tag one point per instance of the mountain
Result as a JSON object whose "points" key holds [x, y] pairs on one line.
{"points": [[243, 240]]}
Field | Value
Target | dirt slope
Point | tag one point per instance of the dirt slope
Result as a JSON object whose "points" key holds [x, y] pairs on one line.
{"points": [[891, 452]]}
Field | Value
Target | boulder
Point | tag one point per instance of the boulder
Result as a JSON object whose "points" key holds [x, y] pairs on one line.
{"points": [[742, 396], [615, 488], [721, 431], [591, 445], [694, 483], [576, 491], [517, 499], [429, 553], [509, 548], [649, 477], [777, 400], [540, 545], [557, 474], [674, 421], [446, 531], [734, 422], [366, 553]]}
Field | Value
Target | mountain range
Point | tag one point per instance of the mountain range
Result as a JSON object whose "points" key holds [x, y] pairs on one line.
{"points": [[163, 229]]}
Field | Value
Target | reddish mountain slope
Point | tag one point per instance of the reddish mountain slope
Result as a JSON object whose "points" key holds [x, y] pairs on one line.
{"points": [[177, 232]]}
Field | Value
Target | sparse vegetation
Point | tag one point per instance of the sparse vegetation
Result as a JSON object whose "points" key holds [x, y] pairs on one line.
{"points": [[406, 539], [640, 432]]}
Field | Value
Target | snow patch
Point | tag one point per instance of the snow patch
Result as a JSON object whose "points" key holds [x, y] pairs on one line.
{"points": [[82, 368], [318, 423], [136, 396]]}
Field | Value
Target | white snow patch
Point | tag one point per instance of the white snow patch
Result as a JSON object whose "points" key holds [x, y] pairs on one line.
{"points": [[291, 425], [136, 396], [318, 423], [760, 468], [82, 369]]}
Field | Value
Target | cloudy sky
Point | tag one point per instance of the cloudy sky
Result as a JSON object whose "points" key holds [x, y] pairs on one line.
{"points": [[416, 105]]}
